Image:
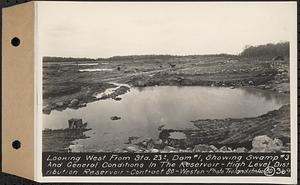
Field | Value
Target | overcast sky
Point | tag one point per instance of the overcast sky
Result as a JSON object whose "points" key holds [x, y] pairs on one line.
{"points": [[89, 29]]}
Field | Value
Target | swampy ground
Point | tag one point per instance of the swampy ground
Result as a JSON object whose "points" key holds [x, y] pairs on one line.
{"points": [[74, 84]]}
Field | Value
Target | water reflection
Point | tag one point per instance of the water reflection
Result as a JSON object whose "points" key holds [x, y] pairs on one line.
{"points": [[267, 95], [144, 110]]}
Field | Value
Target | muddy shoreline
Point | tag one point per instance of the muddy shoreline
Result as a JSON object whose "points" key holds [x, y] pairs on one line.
{"points": [[87, 96]]}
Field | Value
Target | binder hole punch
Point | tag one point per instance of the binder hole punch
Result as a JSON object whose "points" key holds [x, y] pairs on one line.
{"points": [[15, 41], [16, 144]]}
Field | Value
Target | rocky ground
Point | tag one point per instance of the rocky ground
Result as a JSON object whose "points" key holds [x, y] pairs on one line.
{"points": [[261, 143], [271, 75], [65, 87], [82, 96], [63, 84]]}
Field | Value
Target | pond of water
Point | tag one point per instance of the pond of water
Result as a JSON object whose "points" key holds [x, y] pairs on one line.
{"points": [[144, 110]]}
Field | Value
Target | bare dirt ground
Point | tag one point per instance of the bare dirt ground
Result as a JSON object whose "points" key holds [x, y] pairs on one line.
{"points": [[63, 83], [65, 86]]}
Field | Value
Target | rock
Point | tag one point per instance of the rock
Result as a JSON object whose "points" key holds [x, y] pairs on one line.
{"points": [[177, 135], [160, 127], [154, 150], [278, 58], [150, 145], [115, 118], [250, 82], [241, 150], [275, 146], [118, 150], [202, 148], [132, 149], [140, 84], [144, 144], [169, 148], [74, 102], [47, 110], [82, 105], [76, 148], [148, 139], [60, 104], [215, 149], [158, 142], [185, 151], [286, 148], [265, 144], [278, 142], [262, 86], [180, 78], [224, 149], [260, 143], [104, 96], [277, 82], [117, 98], [131, 138]]}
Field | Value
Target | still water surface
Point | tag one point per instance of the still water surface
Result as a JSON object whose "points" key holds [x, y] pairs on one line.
{"points": [[143, 110]]}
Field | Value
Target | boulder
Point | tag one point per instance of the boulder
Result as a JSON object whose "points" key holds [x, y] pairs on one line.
{"points": [[260, 143], [132, 149], [275, 146], [144, 144], [158, 142], [117, 98], [266, 144], [74, 102], [82, 105], [150, 145], [169, 148], [47, 110], [148, 139], [215, 149], [154, 150], [118, 150], [241, 150], [278, 58], [202, 148], [60, 104], [76, 148], [140, 84], [225, 149]]}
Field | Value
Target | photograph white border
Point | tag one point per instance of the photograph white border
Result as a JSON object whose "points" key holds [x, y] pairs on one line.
{"points": [[168, 179]]}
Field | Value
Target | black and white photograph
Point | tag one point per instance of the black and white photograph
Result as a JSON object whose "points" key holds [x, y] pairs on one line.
{"points": [[150, 92], [165, 77]]}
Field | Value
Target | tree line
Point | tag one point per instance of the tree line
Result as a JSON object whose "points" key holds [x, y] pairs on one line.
{"points": [[281, 49]]}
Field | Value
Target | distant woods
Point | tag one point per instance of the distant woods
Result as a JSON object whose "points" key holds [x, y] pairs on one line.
{"points": [[281, 49], [65, 59], [267, 51]]}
